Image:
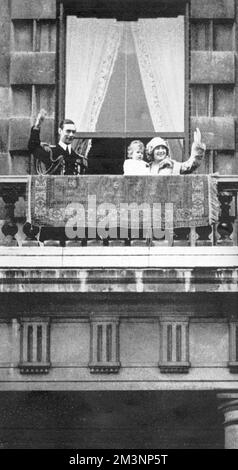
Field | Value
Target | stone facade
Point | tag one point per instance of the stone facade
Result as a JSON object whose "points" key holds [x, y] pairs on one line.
{"points": [[28, 77], [97, 319]]}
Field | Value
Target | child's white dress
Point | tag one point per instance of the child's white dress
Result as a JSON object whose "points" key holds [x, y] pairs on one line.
{"points": [[136, 167]]}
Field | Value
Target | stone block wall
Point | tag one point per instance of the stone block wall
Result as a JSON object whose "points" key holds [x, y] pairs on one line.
{"points": [[211, 347], [213, 81], [27, 78]]}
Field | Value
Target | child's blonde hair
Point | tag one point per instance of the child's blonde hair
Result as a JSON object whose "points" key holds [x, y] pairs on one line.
{"points": [[132, 145]]}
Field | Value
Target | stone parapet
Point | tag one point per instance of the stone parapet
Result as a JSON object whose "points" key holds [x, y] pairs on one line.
{"points": [[137, 269]]}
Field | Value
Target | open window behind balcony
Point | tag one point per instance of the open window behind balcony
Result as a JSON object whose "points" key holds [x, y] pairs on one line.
{"points": [[125, 76], [125, 79]]}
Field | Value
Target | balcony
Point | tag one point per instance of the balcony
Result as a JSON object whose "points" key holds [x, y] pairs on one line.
{"points": [[16, 231], [202, 259]]}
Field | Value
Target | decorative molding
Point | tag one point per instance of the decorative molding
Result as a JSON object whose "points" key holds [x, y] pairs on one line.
{"points": [[43, 278], [104, 348], [171, 368], [104, 368], [174, 346], [34, 369]]}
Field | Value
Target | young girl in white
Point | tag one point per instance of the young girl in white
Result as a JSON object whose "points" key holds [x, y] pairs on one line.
{"points": [[135, 165]]}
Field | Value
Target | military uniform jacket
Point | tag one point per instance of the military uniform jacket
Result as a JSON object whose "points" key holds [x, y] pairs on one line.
{"points": [[53, 159]]}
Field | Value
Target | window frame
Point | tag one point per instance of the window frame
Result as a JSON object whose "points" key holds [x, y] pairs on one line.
{"points": [[112, 9]]}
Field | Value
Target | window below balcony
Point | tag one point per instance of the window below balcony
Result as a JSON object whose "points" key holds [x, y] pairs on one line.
{"points": [[35, 346]]}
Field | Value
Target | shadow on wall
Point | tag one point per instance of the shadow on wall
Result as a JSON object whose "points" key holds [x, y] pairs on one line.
{"points": [[110, 420]]}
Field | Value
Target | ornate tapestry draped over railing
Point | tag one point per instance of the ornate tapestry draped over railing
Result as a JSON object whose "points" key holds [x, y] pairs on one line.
{"points": [[16, 230], [192, 199]]}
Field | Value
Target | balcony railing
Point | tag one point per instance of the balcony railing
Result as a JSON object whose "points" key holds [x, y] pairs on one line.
{"points": [[16, 231]]}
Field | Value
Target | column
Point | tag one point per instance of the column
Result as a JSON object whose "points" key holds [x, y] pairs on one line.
{"points": [[228, 405]]}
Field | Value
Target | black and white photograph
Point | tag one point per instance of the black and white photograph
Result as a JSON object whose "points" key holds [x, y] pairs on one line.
{"points": [[118, 228]]}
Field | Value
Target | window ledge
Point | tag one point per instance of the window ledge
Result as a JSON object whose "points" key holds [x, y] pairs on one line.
{"points": [[174, 367], [104, 368], [33, 368], [233, 367]]}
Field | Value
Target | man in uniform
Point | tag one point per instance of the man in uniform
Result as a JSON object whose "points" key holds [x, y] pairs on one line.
{"points": [[60, 159]]}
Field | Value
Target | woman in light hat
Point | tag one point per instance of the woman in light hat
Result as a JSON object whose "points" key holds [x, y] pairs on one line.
{"points": [[158, 154]]}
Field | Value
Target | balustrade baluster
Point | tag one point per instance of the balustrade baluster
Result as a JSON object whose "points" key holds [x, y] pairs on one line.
{"points": [[94, 242], [205, 236], [193, 236], [53, 236], [181, 236], [31, 233], [74, 243], [116, 242], [224, 228], [52, 243], [10, 196]]}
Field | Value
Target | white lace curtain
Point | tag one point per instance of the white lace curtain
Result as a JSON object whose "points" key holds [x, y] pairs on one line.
{"points": [[92, 47], [159, 46]]}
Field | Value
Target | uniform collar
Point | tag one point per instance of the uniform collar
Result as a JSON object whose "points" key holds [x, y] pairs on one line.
{"points": [[64, 146]]}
